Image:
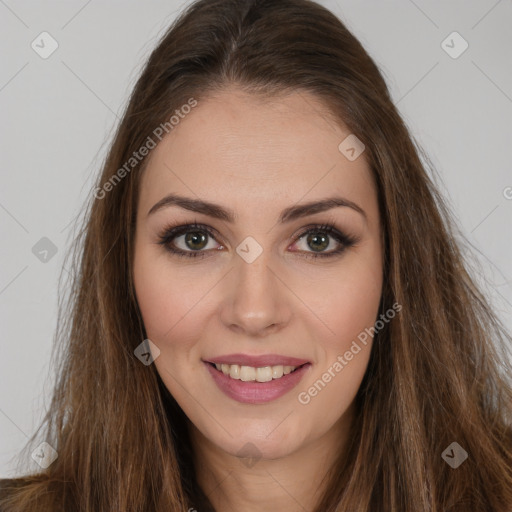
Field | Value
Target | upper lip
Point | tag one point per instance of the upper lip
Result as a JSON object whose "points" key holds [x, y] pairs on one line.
{"points": [[257, 361]]}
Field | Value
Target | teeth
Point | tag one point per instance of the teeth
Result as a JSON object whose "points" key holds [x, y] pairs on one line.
{"points": [[247, 373], [234, 371], [251, 374], [277, 372], [264, 374]]}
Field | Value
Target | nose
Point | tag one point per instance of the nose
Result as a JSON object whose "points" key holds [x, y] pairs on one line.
{"points": [[256, 301]]}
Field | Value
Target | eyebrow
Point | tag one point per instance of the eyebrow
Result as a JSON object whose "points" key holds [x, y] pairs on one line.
{"points": [[287, 215]]}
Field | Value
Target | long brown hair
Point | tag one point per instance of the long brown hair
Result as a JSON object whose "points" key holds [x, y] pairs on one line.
{"points": [[437, 371]]}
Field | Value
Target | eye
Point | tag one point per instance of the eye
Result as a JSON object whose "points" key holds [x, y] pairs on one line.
{"points": [[194, 240], [319, 238]]}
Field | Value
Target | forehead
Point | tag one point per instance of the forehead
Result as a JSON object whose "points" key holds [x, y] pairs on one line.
{"points": [[243, 149]]}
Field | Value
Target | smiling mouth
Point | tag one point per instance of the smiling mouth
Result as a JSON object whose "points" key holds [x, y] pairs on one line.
{"points": [[255, 374]]}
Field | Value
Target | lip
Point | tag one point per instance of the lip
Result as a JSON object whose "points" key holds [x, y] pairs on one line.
{"points": [[257, 361], [257, 392]]}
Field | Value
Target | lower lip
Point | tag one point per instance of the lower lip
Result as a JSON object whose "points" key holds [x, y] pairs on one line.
{"points": [[257, 392]]}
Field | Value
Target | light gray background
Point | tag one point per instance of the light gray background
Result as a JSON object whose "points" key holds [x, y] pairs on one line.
{"points": [[58, 116]]}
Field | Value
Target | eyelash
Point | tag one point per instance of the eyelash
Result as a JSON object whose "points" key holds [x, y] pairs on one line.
{"points": [[172, 232]]}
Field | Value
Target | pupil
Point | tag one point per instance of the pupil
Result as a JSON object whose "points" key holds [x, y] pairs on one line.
{"points": [[316, 238], [195, 237]]}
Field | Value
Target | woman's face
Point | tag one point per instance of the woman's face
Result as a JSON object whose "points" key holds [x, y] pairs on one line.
{"points": [[250, 294]]}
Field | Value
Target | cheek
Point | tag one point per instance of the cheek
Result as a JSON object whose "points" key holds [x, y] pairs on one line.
{"points": [[350, 312], [168, 300], [157, 302], [350, 299], [355, 306]]}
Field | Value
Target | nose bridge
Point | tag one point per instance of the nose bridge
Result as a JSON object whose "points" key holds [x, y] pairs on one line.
{"points": [[256, 301]]}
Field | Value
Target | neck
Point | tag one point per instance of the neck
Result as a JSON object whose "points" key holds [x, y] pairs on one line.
{"points": [[295, 482]]}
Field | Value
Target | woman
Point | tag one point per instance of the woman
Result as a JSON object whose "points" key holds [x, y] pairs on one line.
{"points": [[270, 309]]}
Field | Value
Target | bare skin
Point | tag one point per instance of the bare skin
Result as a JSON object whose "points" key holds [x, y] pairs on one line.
{"points": [[257, 158]]}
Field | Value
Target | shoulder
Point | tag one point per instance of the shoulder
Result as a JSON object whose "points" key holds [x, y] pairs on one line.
{"points": [[8, 487], [23, 494]]}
